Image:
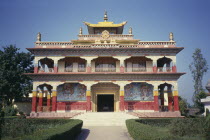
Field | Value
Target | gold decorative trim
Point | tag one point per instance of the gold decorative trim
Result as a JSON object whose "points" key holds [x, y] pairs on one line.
{"points": [[54, 93], [155, 93], [122, 93], [175, 93], [105, 24], [34, 94], [48, 96], [88, 93]]}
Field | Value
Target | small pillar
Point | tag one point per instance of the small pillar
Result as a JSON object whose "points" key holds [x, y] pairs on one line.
{"points": [[36, 68], [176, 100], [48, 101], [54, 101], [156, 103], [174, 68], [88, 96], [34, 100], [122, 102], [40, 102], [55, 67], [155, 65]]}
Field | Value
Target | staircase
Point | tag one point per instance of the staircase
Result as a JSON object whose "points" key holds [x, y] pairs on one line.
{"points": [[104, 118]]}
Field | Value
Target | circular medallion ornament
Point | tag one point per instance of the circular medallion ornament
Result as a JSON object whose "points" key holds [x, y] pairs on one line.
{"points": [[105, 34]]}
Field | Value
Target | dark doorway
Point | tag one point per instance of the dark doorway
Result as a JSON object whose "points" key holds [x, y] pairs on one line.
{"points": [[105, 103]]}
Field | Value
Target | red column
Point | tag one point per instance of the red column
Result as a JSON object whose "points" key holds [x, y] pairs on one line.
{"points": [[155, 69], [122, 102], [122, 69], [48, 102], [34, 98], [40, 102], [54, 101], [174, 68], [156, 103], [176, 103], [88, 95], [88, 69], [35, 69]]}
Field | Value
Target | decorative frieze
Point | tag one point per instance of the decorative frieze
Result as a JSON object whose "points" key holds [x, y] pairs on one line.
{"points": [[105, 77]]}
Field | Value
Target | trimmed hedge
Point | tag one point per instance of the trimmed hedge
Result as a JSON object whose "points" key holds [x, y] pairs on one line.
{"points": [[47, 129], [156, 122], [170, 129], [140, 131]]}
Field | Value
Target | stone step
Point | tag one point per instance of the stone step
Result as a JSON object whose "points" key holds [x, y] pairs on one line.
{"points": [[105, 118]]}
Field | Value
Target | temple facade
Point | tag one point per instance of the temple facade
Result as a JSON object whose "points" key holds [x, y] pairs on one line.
{"points": [[105, 70]]}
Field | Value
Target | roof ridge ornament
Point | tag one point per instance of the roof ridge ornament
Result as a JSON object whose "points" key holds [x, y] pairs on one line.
{"points": [[105, 16], [171, 36], [38, 38], [130, 31], [80, 31]]}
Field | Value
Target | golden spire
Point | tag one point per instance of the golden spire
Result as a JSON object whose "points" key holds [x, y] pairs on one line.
{"points": [[105, 16], [171, 36], [38, 38], [80, 31], [130, 31]]}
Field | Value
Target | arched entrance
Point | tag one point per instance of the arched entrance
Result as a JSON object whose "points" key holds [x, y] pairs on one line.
{"points": [[105, 97], [166, 102]]}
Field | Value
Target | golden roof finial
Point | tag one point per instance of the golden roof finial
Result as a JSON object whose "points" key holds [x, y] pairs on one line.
{"points": [[130, 31], [171, 36], [80, 31], [105, 16], [38, 38]]}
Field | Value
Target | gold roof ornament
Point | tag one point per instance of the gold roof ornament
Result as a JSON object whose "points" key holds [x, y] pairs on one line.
{"points": [[80, 31], [38, 38], [105, 16], [105, 34], [105, 24], [130, 31], [171, 36]]}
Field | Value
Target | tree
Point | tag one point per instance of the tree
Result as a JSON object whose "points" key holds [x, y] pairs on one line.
{"points": [[198, 68], [198, 103], [13, 83], [183, 106]]}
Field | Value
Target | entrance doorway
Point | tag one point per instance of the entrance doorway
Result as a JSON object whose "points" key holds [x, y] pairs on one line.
{"points": [[105, 103]]}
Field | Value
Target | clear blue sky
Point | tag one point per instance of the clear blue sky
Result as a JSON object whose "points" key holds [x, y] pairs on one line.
{"points": [[152, 20]]}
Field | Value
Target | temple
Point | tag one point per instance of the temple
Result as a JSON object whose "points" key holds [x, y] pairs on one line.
{"points": [[105, 71]]}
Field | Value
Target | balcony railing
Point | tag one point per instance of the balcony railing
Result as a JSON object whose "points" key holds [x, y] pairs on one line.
{"points": [[76, 70], [46, 70], [139, 69], [164, 69], [105, 69]]}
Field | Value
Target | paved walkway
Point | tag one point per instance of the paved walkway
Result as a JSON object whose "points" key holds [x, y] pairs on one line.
{"points": [[104, 126], [104, 133]]}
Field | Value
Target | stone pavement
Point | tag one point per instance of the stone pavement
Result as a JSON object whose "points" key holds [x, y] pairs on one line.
{"points": [[104, 133], [104, 126]]}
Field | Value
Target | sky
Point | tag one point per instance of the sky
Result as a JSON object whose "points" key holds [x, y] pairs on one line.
{"points": [[151, 20]]}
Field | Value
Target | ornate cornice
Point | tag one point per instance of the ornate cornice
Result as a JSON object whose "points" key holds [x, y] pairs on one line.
{"points": [[105, 77], [104, 51]]}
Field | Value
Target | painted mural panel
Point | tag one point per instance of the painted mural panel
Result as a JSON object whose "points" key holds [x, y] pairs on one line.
{"points": [[139, 92], [71, 92]]}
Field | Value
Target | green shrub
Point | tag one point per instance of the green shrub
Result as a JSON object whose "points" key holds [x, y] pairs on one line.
{"points": [[187, 127], [140, 131], [10, 111], [156, 122], [66, 131], [37, 129]]}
